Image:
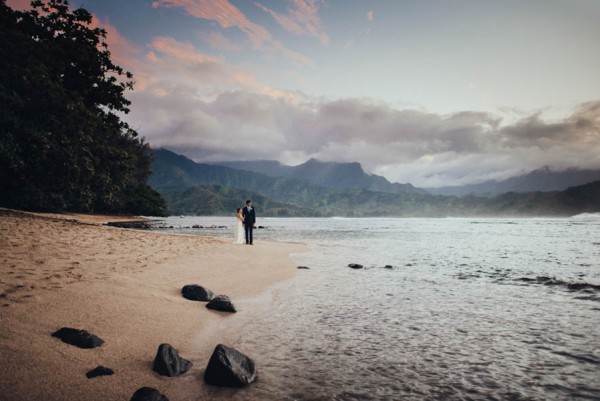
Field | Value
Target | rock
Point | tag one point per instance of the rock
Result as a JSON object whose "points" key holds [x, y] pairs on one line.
{"points": [[355, 266], [167, 362], [260, 227], [99, 371], [303, 267], [195, 292], [195, 226], [388, 267], [78, 338], [221, 303], [228, 367], [148, 394], [583, 286]]}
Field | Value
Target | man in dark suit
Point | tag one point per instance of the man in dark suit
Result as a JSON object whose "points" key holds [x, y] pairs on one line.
{"points": [[249, 221]]}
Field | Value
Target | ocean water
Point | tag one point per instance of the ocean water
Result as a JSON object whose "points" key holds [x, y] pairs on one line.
{"points": [[471, 309]]}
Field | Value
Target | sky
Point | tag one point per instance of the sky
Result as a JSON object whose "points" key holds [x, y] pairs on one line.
{"points": [[433, 93]]}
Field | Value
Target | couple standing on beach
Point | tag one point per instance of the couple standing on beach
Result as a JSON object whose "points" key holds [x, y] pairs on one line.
{"points": [[246, 221]]}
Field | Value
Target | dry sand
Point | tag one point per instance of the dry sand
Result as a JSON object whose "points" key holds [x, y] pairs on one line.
{"points": [[122, 285]]}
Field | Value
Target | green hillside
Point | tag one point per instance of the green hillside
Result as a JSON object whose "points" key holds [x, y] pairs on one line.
{"points": [[203, 189]]}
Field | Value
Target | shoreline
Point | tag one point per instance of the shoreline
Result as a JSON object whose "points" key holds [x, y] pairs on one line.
{"points": [[122, 285]]}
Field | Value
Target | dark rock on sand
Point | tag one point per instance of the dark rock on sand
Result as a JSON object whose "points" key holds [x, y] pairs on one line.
{"points": [[99, 371], [78, 338], [195, 292], [355, 266], [228, 367], [148, 394], [388, 267], [221, 303], [168, 362], [303, 267]]}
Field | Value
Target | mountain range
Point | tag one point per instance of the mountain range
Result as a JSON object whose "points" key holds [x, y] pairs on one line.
{"points": [[538, 180], [325, 174], [199, 188]]}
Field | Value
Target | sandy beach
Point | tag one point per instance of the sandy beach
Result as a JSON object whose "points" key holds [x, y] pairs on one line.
{"points": [[122, 285]]}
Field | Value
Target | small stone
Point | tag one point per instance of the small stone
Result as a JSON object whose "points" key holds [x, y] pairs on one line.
{"points": [[99, 371], [221, 303], [78, 338], [355, 266], [195, 292], [148, 394], [303, 267], [167, 362], [388, 267], [228, 367]]}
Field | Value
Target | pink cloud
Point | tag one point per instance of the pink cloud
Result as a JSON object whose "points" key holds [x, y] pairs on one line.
{"points": [[370, 16], [182, 51], [302, 18], [173, 65], [227, 16], [19, 4], [217, 40], [222, 11]]}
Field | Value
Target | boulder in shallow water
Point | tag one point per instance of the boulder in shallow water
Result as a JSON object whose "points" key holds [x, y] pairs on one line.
{"points": [[99, 371], [355, 266], [78, 338], [148, 394], [195, 292], [228, 367], [167, 362], [221, 303]]}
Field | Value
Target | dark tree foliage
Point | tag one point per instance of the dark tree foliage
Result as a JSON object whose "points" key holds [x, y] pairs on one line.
{"points": [[63, 146]]}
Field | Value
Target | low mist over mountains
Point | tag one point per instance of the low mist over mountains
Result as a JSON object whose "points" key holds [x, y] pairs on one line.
{"points": [[205, 189], [537, 180]]}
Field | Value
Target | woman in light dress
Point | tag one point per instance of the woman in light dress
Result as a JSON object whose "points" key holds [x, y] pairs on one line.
{"points": [[238, 232]]}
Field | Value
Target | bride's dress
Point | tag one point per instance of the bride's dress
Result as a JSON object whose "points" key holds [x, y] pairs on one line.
{"points": [[238, 233]]}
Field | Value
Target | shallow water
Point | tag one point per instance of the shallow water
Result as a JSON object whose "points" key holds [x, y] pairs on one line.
{"points": [[462, 315]]}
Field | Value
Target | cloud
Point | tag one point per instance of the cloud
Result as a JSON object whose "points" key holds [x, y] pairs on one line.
{"points": [[217, 40], [227, 16], [19, 4], [370, 16], [172, 66], [302, 18], [405, 145]]}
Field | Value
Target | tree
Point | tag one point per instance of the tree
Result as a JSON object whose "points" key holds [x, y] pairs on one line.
{"points": [[63, 145]]}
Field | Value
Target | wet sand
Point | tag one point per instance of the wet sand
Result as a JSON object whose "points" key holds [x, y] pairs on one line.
{"points": [[122, 285]]}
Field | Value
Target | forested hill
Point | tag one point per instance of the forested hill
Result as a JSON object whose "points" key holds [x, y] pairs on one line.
{"points": [[325, 174], [195, 188], [63, 143]]}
